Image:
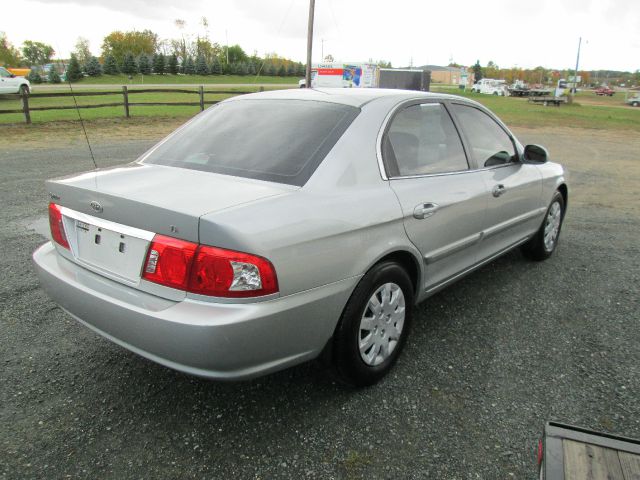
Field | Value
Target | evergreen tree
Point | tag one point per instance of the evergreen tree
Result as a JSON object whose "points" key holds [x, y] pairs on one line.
{"points": [[189, 67], [34, 77], [144, 67], [291, 70], [477, 71], [158, 63], [216, 67], [226, 68], [282, 71], [252, 68], [172, 64], [93, 67], [301, 70], [73, 69], [201, 65], [129, 66], [243, 69], [270, 70], [53, 76], [110, 65], [233, 69]]}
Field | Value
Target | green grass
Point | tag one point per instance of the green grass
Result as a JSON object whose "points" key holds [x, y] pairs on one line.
{"points": [[609, 114], [111, 112], [184, 79]]}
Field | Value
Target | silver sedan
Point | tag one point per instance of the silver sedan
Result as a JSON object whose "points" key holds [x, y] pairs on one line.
{"points": [[278, 227]]}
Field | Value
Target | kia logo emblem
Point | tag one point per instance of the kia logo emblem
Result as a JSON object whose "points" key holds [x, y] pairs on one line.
{"points": [[96, 206]]}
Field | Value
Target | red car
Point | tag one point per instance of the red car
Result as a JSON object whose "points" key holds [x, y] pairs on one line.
{"points": [[604, 91]]}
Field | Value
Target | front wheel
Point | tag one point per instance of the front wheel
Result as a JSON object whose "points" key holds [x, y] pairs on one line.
{"points": [[24, 90], [542, 245], [374, 325], [635, 104]]}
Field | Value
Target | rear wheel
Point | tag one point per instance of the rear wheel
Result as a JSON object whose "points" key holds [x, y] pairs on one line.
{"points": [[542, 245], [635, 104], [374, 325]]}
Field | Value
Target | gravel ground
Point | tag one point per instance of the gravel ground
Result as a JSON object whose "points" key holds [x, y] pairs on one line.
{"points": [[490, 359]]}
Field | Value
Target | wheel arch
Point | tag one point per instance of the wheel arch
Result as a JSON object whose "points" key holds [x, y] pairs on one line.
{"points": [[409, 262], [564, 191]]}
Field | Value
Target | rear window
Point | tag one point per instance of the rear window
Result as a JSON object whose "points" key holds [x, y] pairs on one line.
{"points": [[281, 141]]}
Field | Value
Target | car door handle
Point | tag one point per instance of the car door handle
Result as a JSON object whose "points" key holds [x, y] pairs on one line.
{"points": [[498, 190], [425, 210]]}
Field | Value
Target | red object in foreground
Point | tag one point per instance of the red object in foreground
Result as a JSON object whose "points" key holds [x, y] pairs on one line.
{"points": [[208, 270], [57, 228]]}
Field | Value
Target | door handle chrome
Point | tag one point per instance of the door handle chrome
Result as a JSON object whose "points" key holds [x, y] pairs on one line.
{"points": [[498, 190], [425, 210]]}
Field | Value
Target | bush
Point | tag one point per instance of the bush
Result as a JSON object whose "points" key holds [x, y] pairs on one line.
{"points": [[110, 65], [34, 77], [93, 67], [53, 76]]}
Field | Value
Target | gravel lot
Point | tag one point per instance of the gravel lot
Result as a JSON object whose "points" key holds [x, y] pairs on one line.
{"points": [[490, 359]]}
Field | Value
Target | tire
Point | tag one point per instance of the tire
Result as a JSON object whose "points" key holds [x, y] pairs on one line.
{"points": [[387, 283], [495, 93], [541, 246], [23, 90], [635, 104]]}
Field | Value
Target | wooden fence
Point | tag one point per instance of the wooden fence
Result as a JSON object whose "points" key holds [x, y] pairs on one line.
{"points": [[125, 103]]}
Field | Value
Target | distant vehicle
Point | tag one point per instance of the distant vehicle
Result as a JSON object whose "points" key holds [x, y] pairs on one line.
{"points": [[11, 83], [490, 86], [634, 101], [604, 91]]}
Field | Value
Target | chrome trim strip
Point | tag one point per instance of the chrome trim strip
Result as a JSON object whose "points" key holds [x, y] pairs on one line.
{"points": [[108, 225], [456, 276], [455, 247], [513, 222]]}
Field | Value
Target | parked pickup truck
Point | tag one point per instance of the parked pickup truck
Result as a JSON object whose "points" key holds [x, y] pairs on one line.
{"points": [[602, 91], [634, 101], [10, 83]]}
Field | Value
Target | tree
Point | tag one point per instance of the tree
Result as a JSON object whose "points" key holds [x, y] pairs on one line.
{"points": [[172, 64], [128, 66], [477, 71], [120, 43], [282, 71], [144, 67], [189, 67], [34, 77], [37, 53], [110, 65], [93, 67], [270, 70], [73, 69], [216, 67], [158, 63], [9, 55], [252, 68], [53, 76], [301, 69], [236, 54], [291, 70], [201, 66], [82, 51]]}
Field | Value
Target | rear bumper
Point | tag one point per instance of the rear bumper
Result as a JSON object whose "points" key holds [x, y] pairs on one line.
{"points": [[214, 340]]}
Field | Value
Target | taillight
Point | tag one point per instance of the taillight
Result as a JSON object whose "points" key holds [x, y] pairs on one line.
{"points": [[57, 228], [169, 261], [208, 270]]}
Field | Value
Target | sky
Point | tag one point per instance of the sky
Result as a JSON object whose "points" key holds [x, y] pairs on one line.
{"points": [[510, 33]]}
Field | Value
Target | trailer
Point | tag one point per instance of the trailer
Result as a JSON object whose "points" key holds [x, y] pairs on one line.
{"points": [[548, 100], [573, 453]]}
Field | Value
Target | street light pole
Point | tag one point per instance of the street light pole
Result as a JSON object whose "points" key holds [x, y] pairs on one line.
{"points": [[575, 75], [312, 6]]}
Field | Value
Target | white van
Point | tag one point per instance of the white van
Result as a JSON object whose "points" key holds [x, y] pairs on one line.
{"points": [[490, 86]]}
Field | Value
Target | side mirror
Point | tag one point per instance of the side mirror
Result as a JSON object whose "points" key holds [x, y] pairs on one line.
{"points": [[12, 75], [535, 154]]}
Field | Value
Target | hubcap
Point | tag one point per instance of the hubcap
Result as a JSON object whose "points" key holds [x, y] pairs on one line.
{"points": [[552, 226], [381, 324]]}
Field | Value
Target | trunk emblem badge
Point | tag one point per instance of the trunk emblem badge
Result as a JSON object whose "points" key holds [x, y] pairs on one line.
{"points": [[96, 206]]}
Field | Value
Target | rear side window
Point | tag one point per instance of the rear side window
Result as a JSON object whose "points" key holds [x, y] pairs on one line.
{"points": [[490, 145], [281, 141], [422, 140]]}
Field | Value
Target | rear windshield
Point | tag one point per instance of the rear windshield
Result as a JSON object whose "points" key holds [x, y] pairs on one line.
{"points": [[281, 141]]}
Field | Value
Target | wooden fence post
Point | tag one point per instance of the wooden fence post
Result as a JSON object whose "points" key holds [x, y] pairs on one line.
{"points": [[25, 107], [125, 95], [261, 89], [201, 93]]}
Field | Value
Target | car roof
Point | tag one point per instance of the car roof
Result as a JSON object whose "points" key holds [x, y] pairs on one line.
{"points": [[355, 97]]}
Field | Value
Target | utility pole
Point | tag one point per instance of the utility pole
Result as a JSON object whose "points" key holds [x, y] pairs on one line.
{"points": [[312, 6], [575, 77], [322, 50], [226, 34]]}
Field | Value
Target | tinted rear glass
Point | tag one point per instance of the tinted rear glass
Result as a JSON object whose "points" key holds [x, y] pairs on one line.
{"points": [[276, 140]]}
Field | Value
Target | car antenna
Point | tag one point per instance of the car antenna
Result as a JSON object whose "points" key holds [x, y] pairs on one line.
{"points": [[84, 130]]}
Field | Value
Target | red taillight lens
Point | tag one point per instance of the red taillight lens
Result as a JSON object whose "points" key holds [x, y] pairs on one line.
{"points": [[169, 261], [226, 273], [208, 270], [57, 228]]}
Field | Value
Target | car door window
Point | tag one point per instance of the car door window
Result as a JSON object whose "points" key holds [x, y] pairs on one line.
{"points": [[4, 73], [422, 140], [489, 143]]}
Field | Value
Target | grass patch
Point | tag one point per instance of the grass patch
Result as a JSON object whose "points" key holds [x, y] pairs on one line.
{"points": [[184, 79]]}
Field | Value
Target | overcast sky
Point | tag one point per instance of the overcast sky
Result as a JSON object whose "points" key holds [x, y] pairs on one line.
{"points": [[511, 33]]}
